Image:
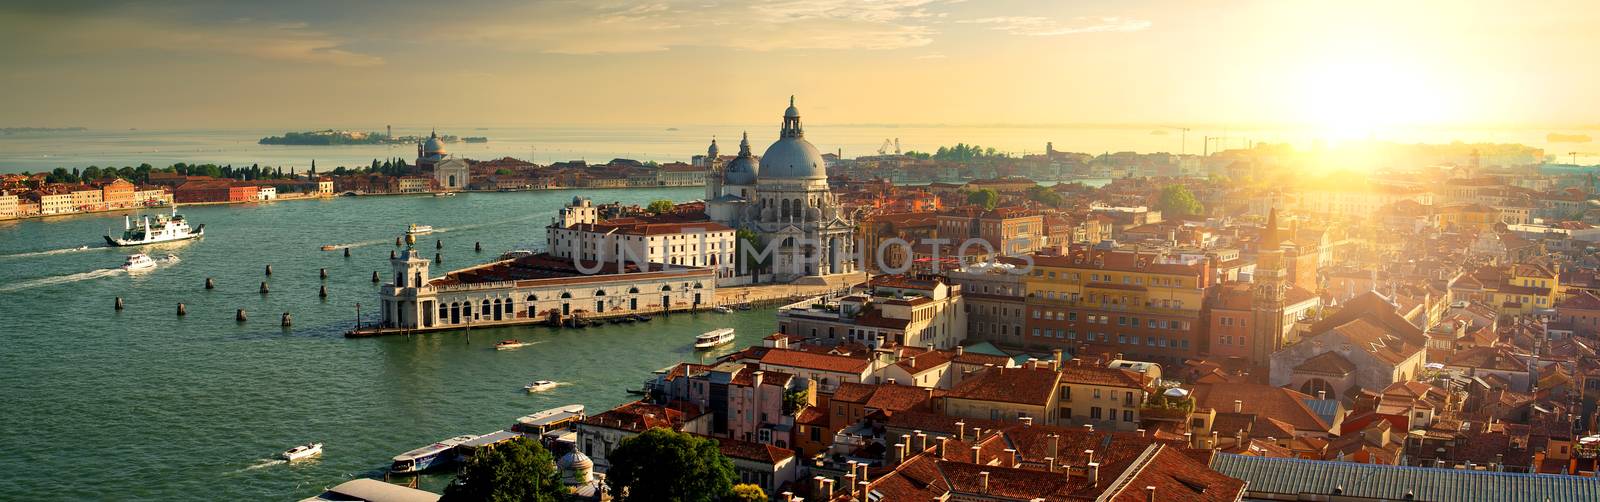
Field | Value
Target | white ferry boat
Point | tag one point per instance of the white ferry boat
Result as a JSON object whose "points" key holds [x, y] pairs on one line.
{"points": [[539, 386], [302, 451], [416, 229], [164, 229], [427, 457], [713, 339]]}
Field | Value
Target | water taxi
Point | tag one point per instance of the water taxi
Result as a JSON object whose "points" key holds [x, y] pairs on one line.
{"points": [[510, 344], [163, 229], [539, 386], [713, 339], [722, 309], [416, 229], [330, 247], [444, 194], [427, 457], [303, 451], [138, 261]]}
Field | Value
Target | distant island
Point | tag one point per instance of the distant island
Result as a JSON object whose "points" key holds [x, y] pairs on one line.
{"points": [[331, 137], [18, 130], [1556, 137]]}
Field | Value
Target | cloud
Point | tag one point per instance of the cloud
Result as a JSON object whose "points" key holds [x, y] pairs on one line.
{"points": [[114, 32], [1034, 26], [758, 25]]}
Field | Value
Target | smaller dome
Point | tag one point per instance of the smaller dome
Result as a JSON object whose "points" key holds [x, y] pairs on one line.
{"points": [[712, 150], [433, 146], [575, 461], [792, 111]]}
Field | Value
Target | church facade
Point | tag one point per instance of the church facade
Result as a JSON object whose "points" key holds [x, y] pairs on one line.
{"points": [[783, 198], [449, 173]]}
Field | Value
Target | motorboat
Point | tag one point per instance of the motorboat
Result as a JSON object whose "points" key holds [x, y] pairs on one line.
{"points": [[163, 229], [713, 339], [330, 247], [722, 309], [302, 451], [510, 344], [516, 253], [444, 194], [427, 457], [539, 386], [416, 229], [138, 261]]}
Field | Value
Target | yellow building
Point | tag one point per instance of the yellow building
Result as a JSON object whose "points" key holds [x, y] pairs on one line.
{"points": [[1527, 288], [1106, 398], [1007, 394], [1145, 305]]}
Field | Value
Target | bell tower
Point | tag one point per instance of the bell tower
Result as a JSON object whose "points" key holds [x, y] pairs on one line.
{"points": [[1268, 294], [410, 270]]}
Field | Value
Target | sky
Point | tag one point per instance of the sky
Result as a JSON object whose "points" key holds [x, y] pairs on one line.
{"points": [[302, 64]]}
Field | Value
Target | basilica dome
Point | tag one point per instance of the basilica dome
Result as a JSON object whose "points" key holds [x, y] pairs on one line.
{"points": [[433, 146], [742, 169], [792, 157]]}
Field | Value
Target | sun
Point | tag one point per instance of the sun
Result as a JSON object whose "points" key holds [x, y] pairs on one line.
{"points": [[1355, 98]]}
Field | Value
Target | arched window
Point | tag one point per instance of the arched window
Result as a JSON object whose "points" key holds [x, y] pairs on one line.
{"points": [[533, 298], [600, 292], [666, 287], [566, 294], [633, 290], [444, 312], [485, 311]]}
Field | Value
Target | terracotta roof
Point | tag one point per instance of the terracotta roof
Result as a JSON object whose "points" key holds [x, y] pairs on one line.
{"points": [[757, 452], [1031, 386], [1326, 363], [1264, 400], [1098, 375], [814, 361]]}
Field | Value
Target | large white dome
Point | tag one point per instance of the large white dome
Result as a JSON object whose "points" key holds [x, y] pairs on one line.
{"points": [[792, 158]]}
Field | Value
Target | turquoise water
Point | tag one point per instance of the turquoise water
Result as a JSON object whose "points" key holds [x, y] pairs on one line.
{"points": [[143, 404]]}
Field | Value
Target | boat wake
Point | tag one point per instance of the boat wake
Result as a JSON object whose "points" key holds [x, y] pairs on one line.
{"points": [[51, 252], [60, 279], [481, 225], [266, 462]]}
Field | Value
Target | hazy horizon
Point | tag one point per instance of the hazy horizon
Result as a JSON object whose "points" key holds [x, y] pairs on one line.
{"points": [[1348, 70]]}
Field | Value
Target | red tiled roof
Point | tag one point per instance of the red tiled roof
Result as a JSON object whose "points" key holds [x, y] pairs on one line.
{"points": [[814, 361], [1031, 386]]}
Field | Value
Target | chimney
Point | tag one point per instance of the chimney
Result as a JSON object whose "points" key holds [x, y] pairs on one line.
{"points": [[1238, 406], [819, 487], [1050, 464], [788, 496], [1094, 474], [1215, 439], [850, 482], [1088, 427], [891, 380], [1188, 439], [920, 443], [1077, 362], [1012, 457], [1027, 421], [961, 430], [1238, 438], [1322, 395], [1150, 493], [897, 454], [1088, 455], [1056, 361], [1141, 432], [864, 476], [977, 454], [944, 442], [1055, 442], [864, 489], [985, 477], [960, 350]]}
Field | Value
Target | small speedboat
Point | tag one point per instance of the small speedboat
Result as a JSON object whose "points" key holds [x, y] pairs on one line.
{"points": [[330, 247], [510, 344], [721, 309], [302, 451], [444, 194], [138, 261], [416, 229], [713, 339], [539, 386]]}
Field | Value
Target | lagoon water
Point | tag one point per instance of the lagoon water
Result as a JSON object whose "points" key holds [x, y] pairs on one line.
{"points": [[145, 405], [38, 152]]}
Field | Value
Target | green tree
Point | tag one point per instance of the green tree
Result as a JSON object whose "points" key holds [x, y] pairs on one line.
{"points": [[1176, 200], [986, 198], [507, 172], [659, 206], [1044, 195], [663, 465], [519, 470], [747, 492]]}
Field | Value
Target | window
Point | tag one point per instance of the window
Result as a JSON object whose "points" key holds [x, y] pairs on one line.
{"points": [[1097, 393], [1035, 331], [1035, 313], [1127, 415], [1072, 316], [1094, 412]]}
